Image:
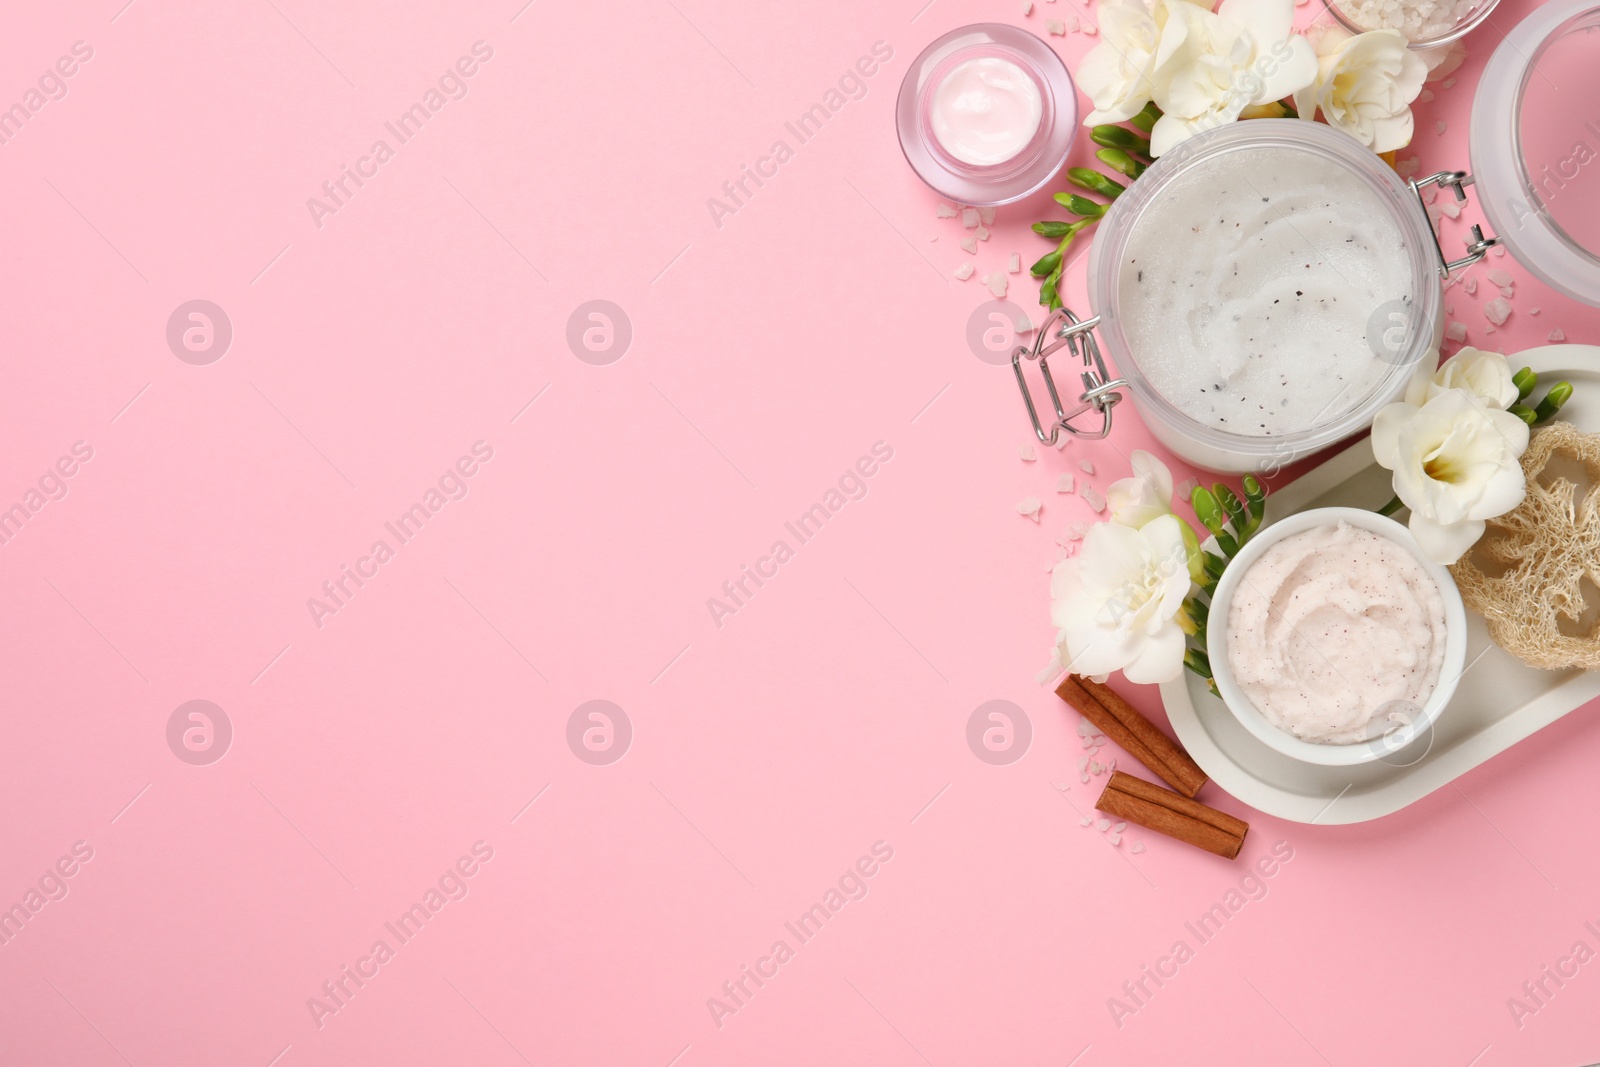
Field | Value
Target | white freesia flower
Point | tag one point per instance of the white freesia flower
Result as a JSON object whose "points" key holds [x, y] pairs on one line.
{"points": [[1144, 497], [1455, 462], [1244, 55], [1119, 73], [1486, 375], [1364, 86], [1116, 601]]}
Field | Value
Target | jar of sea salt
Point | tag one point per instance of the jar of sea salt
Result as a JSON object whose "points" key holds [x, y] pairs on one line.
{"points": [[1263, 289], [1424, 23]]}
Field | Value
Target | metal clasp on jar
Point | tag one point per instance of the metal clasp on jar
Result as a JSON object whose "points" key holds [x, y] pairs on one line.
{"points": [[1100, 394], [1456, 181]]}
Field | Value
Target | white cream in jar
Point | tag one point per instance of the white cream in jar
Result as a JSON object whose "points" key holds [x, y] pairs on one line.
{"points": [[985, 111], [1250, 286], [1333, 632]]}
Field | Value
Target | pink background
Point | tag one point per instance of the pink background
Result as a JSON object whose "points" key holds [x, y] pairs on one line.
{"points": [[767, 754]]}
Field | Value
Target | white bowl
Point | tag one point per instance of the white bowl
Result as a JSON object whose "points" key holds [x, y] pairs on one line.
{"points": [[1389, 744]]}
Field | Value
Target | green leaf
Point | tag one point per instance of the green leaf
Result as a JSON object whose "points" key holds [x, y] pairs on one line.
{"points": [[1081, 205], [1255, 495], [1553, 400], [1053, 230], [1197, 662], [1214, 565], [1199, 610], [1048, 262], [1235, 510], [1525, 379]]}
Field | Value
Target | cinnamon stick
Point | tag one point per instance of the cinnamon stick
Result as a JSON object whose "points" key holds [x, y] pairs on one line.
{"points": [[1121, 722], [1165, 812]]}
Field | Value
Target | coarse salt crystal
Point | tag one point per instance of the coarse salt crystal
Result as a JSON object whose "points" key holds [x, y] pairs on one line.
{"points": [[1448, 83], [1440, 126], [1507, 291], [981, 233], [963, 272], [1056, 26], [1456, 331], [1064, 484], [1119, 827], [1014, 264], [1425, 96], [986, 215], [1533, 311], [997, 283], [1498, 276], [1084, 727], [969, 246], [1187, 487], [1088, 467], [1470, 285], [1092, 497], [944, 211], [1086, 821], [1072, 23], [1497, 310], [969, 217], [1558, 335], [1089, 30], [1076, 531], [1498, 251], [1451, 207], [1027, 8], [1083, 763], [1138, 847], [1102, 825], [1029, 506], [933, 237], [1026, 453], [1115, 839]]}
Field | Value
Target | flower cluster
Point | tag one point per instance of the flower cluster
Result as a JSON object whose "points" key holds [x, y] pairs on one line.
{"points": [[1454, 447], [1117, 602], [1205, 68]]}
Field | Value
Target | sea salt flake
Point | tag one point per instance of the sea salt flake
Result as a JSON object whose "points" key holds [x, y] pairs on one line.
{"points": [[1115, 839], [1102, 825], [1027, 8], [1086, 821], [1470, 285], [1187, 487], [1072, 23], [963, 272], [1088, 466], [1121, 826], [1507, 291], [1092, 497], [1138, 847], [1456, 331], [1448, 83], [1533, 311], [1083, 762], [1498, 251], [1558, 335], [981, 233], [1497, 310], [1451, 208], [1056, 27], [1089, 29], [1498, 276], [1425, 96], [944, 211], [1014, 264], [1440, 126], [997, 282], [969, 246], [1076, 531], [1029, 506], [986, 215], [1026, 453], [969, 217], [1064, 484]]}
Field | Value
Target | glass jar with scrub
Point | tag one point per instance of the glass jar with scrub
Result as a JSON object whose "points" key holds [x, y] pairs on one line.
{"points": [[986, 115]]}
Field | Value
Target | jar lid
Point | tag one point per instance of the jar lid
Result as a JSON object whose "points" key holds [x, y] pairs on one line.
{"points": [[1535, 145]]}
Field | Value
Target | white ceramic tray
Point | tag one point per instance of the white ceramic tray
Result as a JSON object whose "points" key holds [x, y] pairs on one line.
{"points": [[1500, 700]]}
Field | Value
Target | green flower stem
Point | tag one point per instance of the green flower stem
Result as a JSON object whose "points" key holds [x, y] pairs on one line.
{"points": [[1391, 507], [1120, 161], [1552, 402], [1524, 412], [1095, 182], [1146, 119], [1525, 379], [1120, 137], [1256, 498]]}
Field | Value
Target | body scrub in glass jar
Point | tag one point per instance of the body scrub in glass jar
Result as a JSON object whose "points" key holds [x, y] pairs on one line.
{"points": [[1264, 289]]}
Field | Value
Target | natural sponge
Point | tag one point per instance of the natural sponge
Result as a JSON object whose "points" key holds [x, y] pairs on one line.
{"points": [[1527, 571]]}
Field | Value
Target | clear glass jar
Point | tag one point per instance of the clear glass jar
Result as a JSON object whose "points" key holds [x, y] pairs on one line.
{"points": [[1463, 26], [1535, 145], [1421, 329], [1025, 173]]}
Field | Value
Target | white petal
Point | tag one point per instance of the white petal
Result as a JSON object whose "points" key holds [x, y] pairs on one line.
{"points": [[1160, 659], [1445, 543]]}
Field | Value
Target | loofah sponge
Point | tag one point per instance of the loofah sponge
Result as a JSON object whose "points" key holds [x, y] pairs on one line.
{"points": [[1537, 557]]}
